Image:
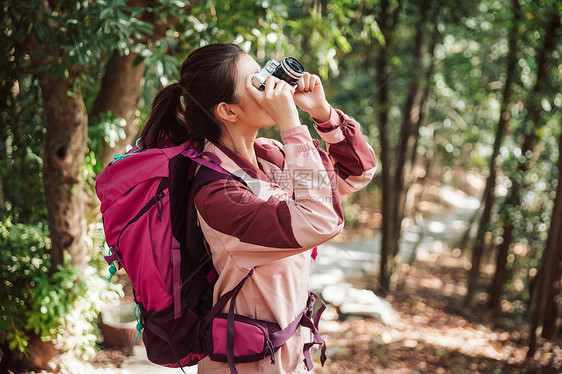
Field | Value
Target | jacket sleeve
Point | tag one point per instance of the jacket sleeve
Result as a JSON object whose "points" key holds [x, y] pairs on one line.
{"points": [[352, 157], [262, 226]]}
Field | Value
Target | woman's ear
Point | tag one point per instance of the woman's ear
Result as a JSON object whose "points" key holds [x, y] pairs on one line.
{"points": [[226, 112]]}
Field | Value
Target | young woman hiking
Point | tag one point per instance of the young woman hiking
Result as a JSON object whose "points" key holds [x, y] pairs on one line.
{"points": [[290, 201]]}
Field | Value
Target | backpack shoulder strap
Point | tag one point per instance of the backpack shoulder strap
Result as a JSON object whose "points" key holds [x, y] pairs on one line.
{"points": [[184, 184], [204, 176]]}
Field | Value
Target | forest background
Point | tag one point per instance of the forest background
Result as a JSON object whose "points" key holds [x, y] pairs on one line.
{"points": [[441, 88]]}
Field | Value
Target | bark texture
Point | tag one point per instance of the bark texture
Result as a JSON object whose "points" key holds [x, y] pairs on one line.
{"points": [[65, 147]]}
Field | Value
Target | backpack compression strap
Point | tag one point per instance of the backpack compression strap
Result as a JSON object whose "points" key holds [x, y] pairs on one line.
{"points": [[307, 319], [198, 157], [230, 332]]}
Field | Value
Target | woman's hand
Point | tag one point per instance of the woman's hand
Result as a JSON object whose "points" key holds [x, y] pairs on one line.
{"points": [[277, 101], [310, 97]]}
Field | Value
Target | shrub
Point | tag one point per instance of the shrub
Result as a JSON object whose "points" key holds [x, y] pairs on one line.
{"points": [[55, 306]]}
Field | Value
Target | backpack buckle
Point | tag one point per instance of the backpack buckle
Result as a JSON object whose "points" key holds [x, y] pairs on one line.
{"points": [[112, 255]]}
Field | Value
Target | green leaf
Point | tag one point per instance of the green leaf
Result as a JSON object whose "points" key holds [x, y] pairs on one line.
{"points": [[105, 13], [41, 32], [138, 60]]}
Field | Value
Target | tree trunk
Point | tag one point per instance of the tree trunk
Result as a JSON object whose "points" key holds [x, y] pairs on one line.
{"points": [[489, 195], [120, 91], [551, 319], [2, 198], [411, 114], [65, 147], [388, 192], [544, 319], [424, 101], [501, 270], [389, 242], [64, 151], [534, 113], [410, 208]]}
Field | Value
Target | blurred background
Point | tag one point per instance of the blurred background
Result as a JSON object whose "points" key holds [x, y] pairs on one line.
{"points": [[460, 100]]}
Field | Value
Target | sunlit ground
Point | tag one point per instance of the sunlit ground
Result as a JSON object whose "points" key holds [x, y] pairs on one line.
{"points": [[434, 334]]}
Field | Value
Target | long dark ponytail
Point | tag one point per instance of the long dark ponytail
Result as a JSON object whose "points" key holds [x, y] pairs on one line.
{"points": [[207, 78]]}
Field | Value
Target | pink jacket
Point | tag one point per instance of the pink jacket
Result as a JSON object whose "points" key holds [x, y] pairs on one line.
{"points": [[287, 208]]}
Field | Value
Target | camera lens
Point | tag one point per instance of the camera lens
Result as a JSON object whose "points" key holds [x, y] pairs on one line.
{"points": [[290, 70]]}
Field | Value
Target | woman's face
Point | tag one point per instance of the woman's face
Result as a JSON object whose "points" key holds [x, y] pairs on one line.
{"points": [[251, 114]]}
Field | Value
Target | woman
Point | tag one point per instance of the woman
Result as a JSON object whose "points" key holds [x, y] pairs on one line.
{"points": [[290, 202]]}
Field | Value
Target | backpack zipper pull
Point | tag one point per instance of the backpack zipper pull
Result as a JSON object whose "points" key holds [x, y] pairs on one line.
{"points": [[120, 157], [139, 325], [112, 271], [159, 205], [112, 268], [271, 350]]}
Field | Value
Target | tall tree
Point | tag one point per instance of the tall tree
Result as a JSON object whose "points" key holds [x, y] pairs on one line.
{"points": [[488, 195], [63, 46], [424, 100], [410, 118], [398, 149], [544, 64], [65, 147], [551, 319], [387, 20], [545, 317]]}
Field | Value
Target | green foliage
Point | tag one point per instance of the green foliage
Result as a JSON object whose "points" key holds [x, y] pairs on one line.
{"points": [[21, 150], [77, 34], [105, 128], [26, 285], [531, 212], [318, 37], [53, 306]]}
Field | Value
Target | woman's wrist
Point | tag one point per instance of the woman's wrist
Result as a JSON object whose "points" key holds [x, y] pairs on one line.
{"points": [[322, 114]]}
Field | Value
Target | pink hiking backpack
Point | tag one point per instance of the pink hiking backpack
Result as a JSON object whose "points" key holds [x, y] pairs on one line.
{"points": [[150, 224]]}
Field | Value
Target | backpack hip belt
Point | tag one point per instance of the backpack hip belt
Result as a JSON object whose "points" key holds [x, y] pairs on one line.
{"points": [[234, 338]]}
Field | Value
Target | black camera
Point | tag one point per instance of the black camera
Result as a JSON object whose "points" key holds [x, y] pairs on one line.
{"points": [[290, 70]]}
